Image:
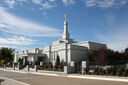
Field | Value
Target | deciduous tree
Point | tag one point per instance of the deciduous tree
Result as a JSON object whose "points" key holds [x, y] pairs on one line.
{"points": [[6, 54]]}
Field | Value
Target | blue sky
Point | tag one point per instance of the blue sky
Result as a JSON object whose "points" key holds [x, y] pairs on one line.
{"points": [[27, 24]]}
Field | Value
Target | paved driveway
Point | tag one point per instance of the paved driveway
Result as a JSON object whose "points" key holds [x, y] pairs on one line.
{"points": [[48, 80], [14, 75], [9, 77], [34, 79]]}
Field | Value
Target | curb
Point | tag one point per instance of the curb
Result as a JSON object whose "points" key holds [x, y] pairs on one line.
{"points": [[99, 78]]}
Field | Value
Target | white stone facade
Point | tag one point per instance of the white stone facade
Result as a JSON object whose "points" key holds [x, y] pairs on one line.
{"points": [[65, 48]]}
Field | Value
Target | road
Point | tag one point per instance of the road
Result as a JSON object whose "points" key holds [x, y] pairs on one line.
{"points": [[34, 79]]}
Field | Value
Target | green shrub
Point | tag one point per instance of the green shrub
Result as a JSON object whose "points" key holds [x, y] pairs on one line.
{"points": [[119, 72], [97, 73], [124, 73], [106, 72]]}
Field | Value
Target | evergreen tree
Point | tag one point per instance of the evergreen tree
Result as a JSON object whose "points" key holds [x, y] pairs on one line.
{"points": [[57, 60]]}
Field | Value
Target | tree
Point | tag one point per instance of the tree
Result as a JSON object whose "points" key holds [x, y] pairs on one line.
{"points": [[126, 50], [126, 53], [101, 57], [6, 54], [108, 56], [20, 61], [57, 60]]}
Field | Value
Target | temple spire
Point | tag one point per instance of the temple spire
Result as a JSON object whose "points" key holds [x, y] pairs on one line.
{"points": [[66, 35]]}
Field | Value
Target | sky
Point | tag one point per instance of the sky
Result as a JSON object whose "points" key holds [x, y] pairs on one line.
{"points": [[27, 24]]}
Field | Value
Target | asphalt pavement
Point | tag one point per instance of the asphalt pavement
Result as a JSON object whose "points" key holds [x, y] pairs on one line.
{"points": [[9, 78], [35, 79]]}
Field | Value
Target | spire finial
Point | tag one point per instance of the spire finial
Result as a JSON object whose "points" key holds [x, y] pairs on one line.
{"points": [[65, 17]]}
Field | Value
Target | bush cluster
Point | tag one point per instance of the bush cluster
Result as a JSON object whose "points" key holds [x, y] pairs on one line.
{"points": [[50, 67], [111, 71]]}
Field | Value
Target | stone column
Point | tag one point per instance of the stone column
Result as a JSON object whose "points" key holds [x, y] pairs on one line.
{"points": [[36, 68], [65, 69], [41, 63], [27, 67], [72, 64], [4, 66], [70, 68], [84, 66], [126, 65], [13, 66], [24, 61], [18, 66]]}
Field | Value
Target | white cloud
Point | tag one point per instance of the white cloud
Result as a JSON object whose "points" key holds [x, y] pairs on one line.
{"points": [[51, 0], [17, 48], [44, 3], [105, 3], [117, 39], [37, 1], [10, 3], [68, 2], [47, 5], [16, 41], [21, 0], [16, 25], [90, 3], [7, 46]]}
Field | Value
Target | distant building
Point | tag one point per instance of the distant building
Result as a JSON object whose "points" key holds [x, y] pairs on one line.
{"points": [[66, 48]]}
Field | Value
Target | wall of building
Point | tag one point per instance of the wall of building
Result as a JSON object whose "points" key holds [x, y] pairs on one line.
{"points": [[60, 51], [91, 45], [47, 52], [96, 46], [30, 58], [78, 53]]}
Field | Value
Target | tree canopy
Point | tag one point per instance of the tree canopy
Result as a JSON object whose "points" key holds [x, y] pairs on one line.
{"points": [[6, 55], [108, 56]]}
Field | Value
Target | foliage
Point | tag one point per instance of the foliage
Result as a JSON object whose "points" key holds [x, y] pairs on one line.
{"points": [[6, 54], [101, 57], [2, 61], [57, 60], [111, 70], [20, 61], [108, 56], [109, 62], [126, 50], [126, 53]]}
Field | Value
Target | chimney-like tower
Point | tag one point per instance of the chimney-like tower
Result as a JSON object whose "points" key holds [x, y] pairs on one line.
{"points": [[66, 35]]}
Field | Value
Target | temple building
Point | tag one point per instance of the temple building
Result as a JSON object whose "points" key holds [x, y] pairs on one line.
{"points": [[66, 48]]}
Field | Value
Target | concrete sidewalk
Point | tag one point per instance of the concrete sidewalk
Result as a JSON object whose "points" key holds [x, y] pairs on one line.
{"points": [[8, 81], [61, 74]]}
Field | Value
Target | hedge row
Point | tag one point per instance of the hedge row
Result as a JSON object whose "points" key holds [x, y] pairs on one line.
{"points": [[108, 72]]}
